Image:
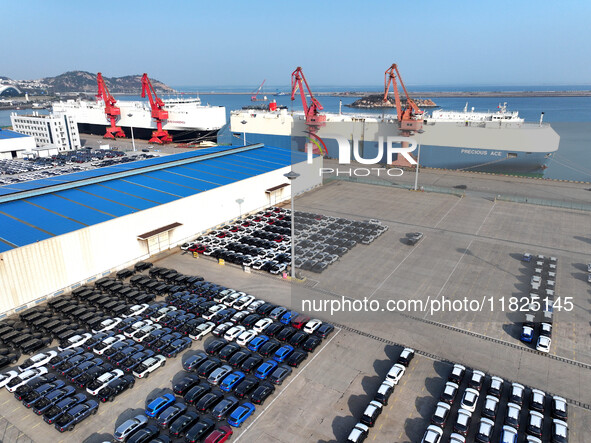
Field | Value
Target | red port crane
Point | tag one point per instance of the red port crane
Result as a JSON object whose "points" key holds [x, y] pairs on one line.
{"points": [[159, 114], [111, 111], [314, 119], [254, 96], [411, 118]]}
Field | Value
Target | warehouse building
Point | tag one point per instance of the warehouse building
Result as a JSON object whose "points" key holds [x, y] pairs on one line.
{"points": [[67, 230], [14, 144], [59, 130]]}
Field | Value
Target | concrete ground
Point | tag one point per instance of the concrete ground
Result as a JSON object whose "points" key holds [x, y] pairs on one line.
{"points": [[471, 249]]}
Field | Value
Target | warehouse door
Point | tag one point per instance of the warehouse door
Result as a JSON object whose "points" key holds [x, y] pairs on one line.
{"points": [[158, 243]]}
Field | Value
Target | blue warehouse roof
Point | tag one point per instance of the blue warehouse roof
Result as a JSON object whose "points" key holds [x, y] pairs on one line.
{"points": [[41, 209], [7, 134]]}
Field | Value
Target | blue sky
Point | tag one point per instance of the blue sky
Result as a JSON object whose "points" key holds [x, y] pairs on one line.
{"points": [[232, 43]]}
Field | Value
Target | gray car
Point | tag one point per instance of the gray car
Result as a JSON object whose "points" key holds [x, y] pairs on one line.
{"points": [[126, 428]]}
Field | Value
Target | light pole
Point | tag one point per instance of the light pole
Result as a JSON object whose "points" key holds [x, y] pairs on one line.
{"points": [[240, 201], [132, 139], [291, 176], [244, 133], [420, 131]]}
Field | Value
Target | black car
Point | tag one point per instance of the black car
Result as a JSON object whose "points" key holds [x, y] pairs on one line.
{"points": [[92, 374], [251, 363], [269, 348], [186, 383], [246, 386], [61, 407], [156, 335], [45, 403], [134, 360], [273, 329], [196, 392], [324, 330], [296, 358], [164, 341], [280, 374], [142, 266], [8, 359], [24, 390], [261, 393], [143, 435], [124, 354], [83, 367], [208, 366], [199, 430], [286, 333], [170, 414], [224, 407], [96, 339], [194, 361], [238, 358], [66, 366], [116, 387], [311, 343], [298, 338], [406, 356], [75, 415], [182, 423], [215, 346], [208, 401], [265, 309], [250, 320], [228, 351], [176, 347]]}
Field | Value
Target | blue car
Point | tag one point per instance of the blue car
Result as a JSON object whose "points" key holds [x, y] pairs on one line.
{"points": [[526, 257], [257, 342], [265, 369], [527, 334], [231, 380], [160, 404], [283, 353], [288, 317], [240, 414]]}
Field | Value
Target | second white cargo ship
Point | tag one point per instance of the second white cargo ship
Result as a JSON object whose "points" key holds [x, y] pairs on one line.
{"points": [[188, 120]]}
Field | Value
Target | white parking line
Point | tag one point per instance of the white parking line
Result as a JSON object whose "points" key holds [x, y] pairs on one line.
{"points": [[286, 386]]}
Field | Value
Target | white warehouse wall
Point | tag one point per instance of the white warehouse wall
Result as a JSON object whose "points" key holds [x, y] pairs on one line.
{"points": [[42, 269]]}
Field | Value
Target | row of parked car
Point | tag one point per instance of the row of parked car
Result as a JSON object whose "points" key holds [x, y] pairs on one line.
{"points": [[321, 240], [256, 345], [513, 404], [541, 296], [373, 410]]}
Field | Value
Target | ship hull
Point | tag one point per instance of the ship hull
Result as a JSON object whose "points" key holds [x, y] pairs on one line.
{"points": [[178, 136], [516, 149]]}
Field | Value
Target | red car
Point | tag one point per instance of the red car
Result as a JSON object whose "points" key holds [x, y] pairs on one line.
{"points": [[219, 435], [223, 234], [195, 247], [278, 239], [300, 321], [246, 224], [235, 228], [271, 221]]}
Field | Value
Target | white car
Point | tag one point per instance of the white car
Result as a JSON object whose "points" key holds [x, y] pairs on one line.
{"points": [[513, 412], [262, 324], [149, 365], [75, 341], [160, 313], [211, 312], [543, 343], [245, 337], [96, 386], [136, 310], [432, 434], [37, 360], [560, 430], [258, 264], [231, 299], [255, 305], [532, 439], [279, 268], [107, 325], [243, 302], [6, 377], [233, 333], [219, 298], [312, 325], [588, 267], [509, 434], [457, 438], [136, 327], [140, 334], [107, 343], [395, 373], [485, 429], [469, 399], [25, 377], [239, 316], [202, 330]]}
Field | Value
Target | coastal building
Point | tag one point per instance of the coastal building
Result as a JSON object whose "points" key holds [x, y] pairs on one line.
{"points": [[60, 130], [14, 144]]}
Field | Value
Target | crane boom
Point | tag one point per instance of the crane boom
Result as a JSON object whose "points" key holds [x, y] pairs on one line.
{"points": [[111, 111], [254, 96], [410, 118], [312, 111], [158, 112]]}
